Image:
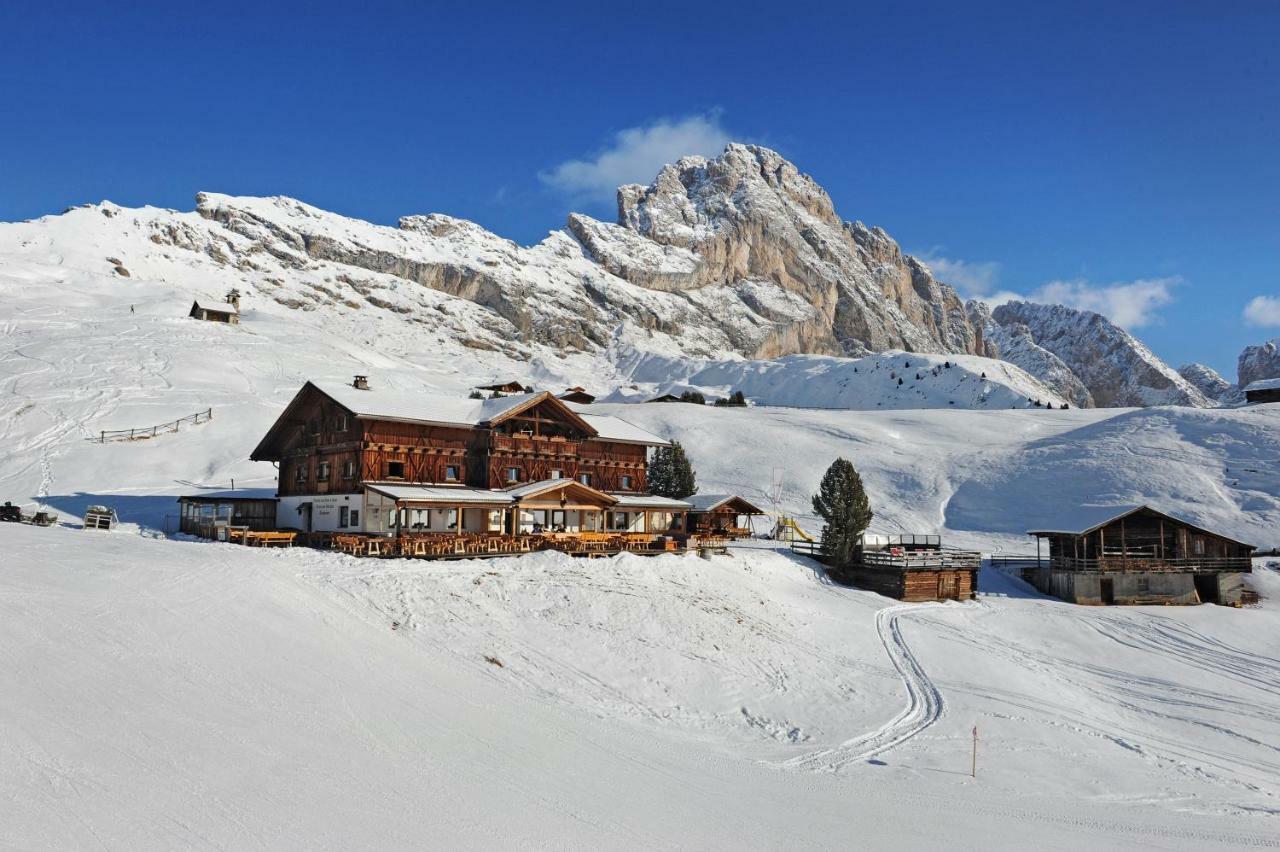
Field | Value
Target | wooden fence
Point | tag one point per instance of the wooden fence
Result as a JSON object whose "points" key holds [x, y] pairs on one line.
{"points": [[152, 431]]}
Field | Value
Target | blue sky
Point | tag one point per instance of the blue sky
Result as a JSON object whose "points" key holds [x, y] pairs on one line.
{"points": [[1118, 156]]}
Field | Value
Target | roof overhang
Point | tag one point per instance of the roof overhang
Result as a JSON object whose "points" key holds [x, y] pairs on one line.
{"points": [[1133, 511]]}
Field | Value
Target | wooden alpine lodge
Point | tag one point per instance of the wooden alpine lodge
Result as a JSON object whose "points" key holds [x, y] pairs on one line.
{"points": [[392, 473]]}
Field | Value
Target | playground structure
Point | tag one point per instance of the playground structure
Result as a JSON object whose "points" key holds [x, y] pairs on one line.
{"points": [[786, 529]]}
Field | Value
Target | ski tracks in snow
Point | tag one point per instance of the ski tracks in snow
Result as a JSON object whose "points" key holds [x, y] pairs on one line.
{"points": [[925, 704]]}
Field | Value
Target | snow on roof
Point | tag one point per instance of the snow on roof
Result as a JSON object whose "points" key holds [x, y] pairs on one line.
{"points": [[241, 494], [710, 502], [613, 428], [217, 307], [1263, 384], [533, 488], [419, 407], [442, 494], [1086, 519], [648, 501]]}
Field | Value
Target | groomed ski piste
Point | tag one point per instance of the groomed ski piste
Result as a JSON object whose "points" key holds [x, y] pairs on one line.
{"points": [[162, 692]]}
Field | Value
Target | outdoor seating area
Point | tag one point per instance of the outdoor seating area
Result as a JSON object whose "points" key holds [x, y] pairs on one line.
{"points": [[470, 545]]}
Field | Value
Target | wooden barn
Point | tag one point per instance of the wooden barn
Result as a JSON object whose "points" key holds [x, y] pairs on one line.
{"points": [[504, 387], [1140, 555], [912, 568], [203, 514], [215, 311], [721, 514], [666, 397], [1263, 390], [578, 395]]}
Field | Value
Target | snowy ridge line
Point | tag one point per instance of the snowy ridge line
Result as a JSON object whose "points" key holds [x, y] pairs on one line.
{"points": [[925, 704]]}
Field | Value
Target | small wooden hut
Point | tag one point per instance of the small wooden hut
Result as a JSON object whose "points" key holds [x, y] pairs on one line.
{"points": [[578, 395], [215, 312], [1140, 555], [504, 387], [1263, 390], [912, 568], [721, 515], [666, 397]]}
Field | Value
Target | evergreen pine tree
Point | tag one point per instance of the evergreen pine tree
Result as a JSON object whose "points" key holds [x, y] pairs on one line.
{"points": [[842, 503], [475, 394], [671, 474]]}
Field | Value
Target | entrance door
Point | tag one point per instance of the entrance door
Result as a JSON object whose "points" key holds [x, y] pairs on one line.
{"points": [[1207, 587], [947, 585], [1107, 587]]}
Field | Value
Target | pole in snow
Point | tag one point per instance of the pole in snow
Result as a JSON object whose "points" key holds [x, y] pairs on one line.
{"points": [[973, 771]]}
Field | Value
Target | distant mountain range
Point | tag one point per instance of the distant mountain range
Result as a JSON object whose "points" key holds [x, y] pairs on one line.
{"points": [[740, 256]]}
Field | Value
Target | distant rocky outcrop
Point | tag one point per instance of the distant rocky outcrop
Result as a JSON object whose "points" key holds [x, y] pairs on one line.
{"points": [[1258, 362], [1210, 383], [1014, 343], [1114, 365]]}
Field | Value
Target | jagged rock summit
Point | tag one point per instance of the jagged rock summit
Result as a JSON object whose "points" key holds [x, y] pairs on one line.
{"points": [[1259, 362], [731, 257]]}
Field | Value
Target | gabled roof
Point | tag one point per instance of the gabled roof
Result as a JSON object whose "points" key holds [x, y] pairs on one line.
{"points": [[649, 501], [216, 307], [439, 410], [547, 486], [1088, 519], [711, 502], [1263, 384]]}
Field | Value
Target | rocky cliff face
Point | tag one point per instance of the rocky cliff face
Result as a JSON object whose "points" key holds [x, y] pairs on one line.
{"points": [[1210, 383], [736, 256], [1115, 366], [1014, 343], [1259, 362]]}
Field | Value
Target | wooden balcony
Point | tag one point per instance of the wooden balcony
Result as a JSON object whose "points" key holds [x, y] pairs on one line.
{"points": [[527, 444], [1130, 563]]}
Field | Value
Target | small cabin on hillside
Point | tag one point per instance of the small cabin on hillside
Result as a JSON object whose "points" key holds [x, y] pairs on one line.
{"points": [[911, 567], [578, 395], [1140, 555], [215, 311], [1263, 390], [666, 397], [504, 387], [721, 514]]}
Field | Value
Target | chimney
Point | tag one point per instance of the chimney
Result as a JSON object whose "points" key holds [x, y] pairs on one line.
{"points": [[360, 382]]}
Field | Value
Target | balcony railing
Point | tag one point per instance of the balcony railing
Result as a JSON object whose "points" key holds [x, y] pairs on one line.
{"points": [[1122, 563], [530, 444], [922, 560]]}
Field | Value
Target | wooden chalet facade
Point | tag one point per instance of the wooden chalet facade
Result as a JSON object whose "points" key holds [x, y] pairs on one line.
{"points": [[374, 461], [912, 568], [1141, 555]]}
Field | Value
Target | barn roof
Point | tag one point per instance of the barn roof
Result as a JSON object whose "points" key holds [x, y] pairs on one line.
{"points": [[231, 496], [1263, 384], [216, 307], [650, 501], [711, 502], [1087, 519], [544, 486]]}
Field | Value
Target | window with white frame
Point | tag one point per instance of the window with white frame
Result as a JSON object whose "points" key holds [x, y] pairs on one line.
{"points": [[323, 473], [349, 469], [557, 474]]}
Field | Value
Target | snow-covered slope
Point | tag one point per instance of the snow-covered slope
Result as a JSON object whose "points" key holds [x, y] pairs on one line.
{"points": [[888, 380]]}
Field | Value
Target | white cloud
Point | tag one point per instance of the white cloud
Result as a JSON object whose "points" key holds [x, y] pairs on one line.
{"points": [[1129, 304], [636, 156], [1263, 311], [974, 279]]}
